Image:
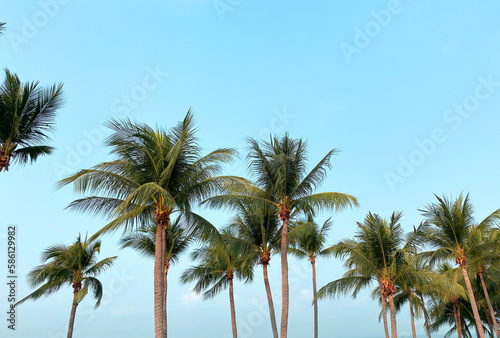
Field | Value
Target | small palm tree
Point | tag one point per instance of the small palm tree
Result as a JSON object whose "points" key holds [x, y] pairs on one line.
{"points": [[453, 233], [2, 28], [308, 241], [73, 265], [260, 233], [480, 263], [27, 115], [377, 253], [176, 242], [220, 263], [283, 185]]}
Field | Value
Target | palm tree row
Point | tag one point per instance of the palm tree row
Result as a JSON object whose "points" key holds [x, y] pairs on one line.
{"points": [[410, 268], [159, 175]]}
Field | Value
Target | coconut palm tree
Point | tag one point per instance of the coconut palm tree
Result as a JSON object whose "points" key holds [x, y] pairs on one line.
{"points": [[156, 173], [2, 28], [27, 115], [452, 235], [219, 263], [480, 263], [414, 281], [176, 242], [73, 265], [260, 233], [308, 240], [279, 168], [376, 253]]}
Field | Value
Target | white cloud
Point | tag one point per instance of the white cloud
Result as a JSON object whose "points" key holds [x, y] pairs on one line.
{"points": [[191, 299]]}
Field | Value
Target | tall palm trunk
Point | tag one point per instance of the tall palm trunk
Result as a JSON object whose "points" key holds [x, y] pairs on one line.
{"points": [[159, 276], [165, 302], [479, 325], [284, 279], [412, 317], [233, 310], [426, 323], [72, 317], [458, 320], [384, 310], [394, 329], [490, 323], [313, 264], [488, 301], [270, 301]]}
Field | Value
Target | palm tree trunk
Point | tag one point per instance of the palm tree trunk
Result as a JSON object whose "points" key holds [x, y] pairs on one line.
{"points": [[394, 329], [165, 302], [72, 317], [426, 324], [159, 283], [384, 310], [270, 302], [412, 316], [479, 325], [233, 310], [314, 296], [459, 318], [490, 323], [490, 307], [284, 280]]}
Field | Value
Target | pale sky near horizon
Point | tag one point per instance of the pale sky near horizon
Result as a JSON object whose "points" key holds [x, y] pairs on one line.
{"points": [[409, 91]]}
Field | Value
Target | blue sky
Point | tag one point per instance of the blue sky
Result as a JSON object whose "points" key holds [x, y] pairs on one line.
{"points": [[407, 90]]}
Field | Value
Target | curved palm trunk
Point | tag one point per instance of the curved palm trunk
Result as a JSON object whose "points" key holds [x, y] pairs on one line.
{"points": [[488, 301], [313, 263], [270, 302], [72, 317], [233, 310], [384, 310], [479, 325], [284, 280], [159, 281], [394, 329], [412, 316]]}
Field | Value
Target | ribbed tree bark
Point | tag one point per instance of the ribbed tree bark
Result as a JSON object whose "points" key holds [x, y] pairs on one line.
{"points": [[270, 301], [165, 302], [394, 329], [459, 318], [426, 324], [72, 317], [490, 323], [284, 279], [473, 304], [384, 310], [313, 264], [159, 276], [412, 317], [488, 301], [233, 310]]}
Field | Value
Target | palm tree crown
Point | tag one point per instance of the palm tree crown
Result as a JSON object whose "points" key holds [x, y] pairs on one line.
{"points": [[27, 115], [74, 265]]}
